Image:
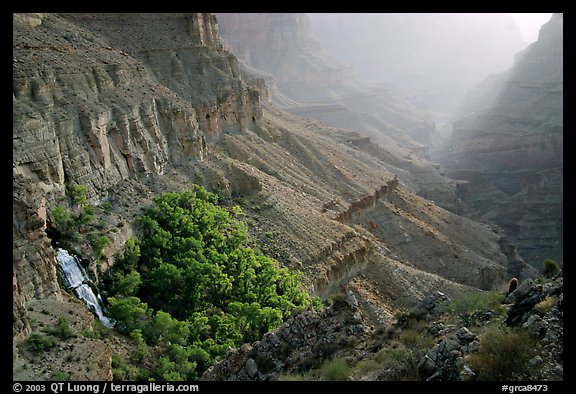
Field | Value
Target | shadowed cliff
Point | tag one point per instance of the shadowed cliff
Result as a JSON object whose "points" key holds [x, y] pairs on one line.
{"points": [[509, 147]]}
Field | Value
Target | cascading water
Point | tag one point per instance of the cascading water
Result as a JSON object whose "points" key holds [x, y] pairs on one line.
{"points": [[73, 277]]}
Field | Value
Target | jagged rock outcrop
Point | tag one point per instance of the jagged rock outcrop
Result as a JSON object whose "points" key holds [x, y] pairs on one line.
{"points": [[537, 305], [301, 342], [79, 116], [510, 148], [445, 361], [189, 59]]}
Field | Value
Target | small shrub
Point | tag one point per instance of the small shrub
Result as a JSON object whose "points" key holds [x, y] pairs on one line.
{"points": [[62, 329], [545, 305], [38, 343], [473, 301], [317, 304], [503, 354], [59, 376], [401, 363], [78, 194], [550, 267], [336, 369], [416, 340], [338, 296]]}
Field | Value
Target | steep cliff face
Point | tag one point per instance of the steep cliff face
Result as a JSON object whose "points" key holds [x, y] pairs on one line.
{"points": [[188, 58], [281, 45], [89, 113], [134, 105], [510, 147]]}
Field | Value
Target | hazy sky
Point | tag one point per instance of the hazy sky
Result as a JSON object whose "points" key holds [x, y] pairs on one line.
{"points": [[530, 24]]}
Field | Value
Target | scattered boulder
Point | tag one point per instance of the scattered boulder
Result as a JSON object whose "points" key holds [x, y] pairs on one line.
{"points": [[445, 361]]}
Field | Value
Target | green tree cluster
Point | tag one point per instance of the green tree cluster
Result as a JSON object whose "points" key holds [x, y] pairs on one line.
{"points": [[194, 284]]}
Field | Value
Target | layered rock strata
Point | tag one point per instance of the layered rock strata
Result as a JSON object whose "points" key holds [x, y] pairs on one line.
{"points": [[166, 107]]}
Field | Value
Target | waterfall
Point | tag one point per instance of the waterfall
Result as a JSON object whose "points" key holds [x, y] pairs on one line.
{"points": [[74, 277]]}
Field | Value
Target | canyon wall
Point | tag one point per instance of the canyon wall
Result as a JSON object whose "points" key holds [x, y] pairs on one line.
{"points": [[282, 45], [509, 147], [435, 57], [131, 105], [306, 81]]}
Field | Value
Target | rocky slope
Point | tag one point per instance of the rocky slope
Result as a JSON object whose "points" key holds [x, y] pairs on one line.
{"points": [[427, 343], [510, 147], [307, 82], [131, 105]]}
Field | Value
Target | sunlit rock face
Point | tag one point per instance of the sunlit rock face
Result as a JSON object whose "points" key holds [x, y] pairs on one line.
{"points": [[510, 147], [433, 56]]}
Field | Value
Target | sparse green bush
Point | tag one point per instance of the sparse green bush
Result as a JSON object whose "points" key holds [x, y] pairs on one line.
{"points": [[337, 369], [106, 206], [78, 194], [59, 376], [550, 267], [62, 329], [503, 354], [38, 343], [473, 301]]}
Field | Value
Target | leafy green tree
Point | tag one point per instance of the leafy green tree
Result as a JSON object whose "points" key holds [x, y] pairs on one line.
{"points": [[60, 218], [126, 284], [78, 194], [194, 284], [141, 347], [129, 312]]}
